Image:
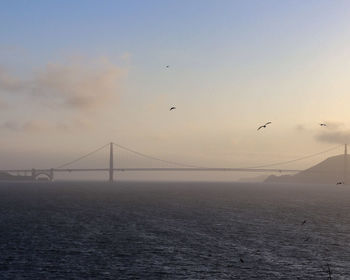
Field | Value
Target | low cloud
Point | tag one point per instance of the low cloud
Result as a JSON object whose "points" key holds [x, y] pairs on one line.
{"points": [[338, 137], [331, 125], [334, 132]]}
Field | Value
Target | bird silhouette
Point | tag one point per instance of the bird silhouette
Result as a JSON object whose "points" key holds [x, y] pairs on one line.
{"points": [[323, 124], [329, 271], [340, 183], [241, 260], [172, 108], [263, 126]]}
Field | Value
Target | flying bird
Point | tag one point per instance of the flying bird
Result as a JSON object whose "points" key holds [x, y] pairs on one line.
{"points": [[172, 108], [263, 126], [340, 183], [303, 223], [323, 124], [241, 260], [167, 66], [329, 271]]}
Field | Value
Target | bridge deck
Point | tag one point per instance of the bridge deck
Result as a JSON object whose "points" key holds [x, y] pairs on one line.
{"points": [[155, 170]]}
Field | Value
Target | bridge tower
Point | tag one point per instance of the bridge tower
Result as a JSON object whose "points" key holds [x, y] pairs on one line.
{"points": [[33, 174], [51, 174], [111, 171], [345, 175]]}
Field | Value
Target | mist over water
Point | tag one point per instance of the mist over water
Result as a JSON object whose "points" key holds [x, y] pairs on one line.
{"points": [[173, 231]]}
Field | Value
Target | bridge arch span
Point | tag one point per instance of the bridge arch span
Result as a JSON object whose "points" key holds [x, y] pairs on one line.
{"points": [[38, 174]]}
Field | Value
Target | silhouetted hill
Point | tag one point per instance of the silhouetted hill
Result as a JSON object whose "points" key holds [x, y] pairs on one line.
{"points": [[329, 171]]}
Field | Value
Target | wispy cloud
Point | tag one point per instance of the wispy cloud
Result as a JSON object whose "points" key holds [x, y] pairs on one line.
{"points": [[78, 85], [10, 83], [10, 125], [73, 90], [44, 126], [3, 105], [36, 125], [300, 128]]}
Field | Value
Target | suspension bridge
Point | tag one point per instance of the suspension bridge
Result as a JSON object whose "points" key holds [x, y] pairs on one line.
{"points": [[49, 173]]}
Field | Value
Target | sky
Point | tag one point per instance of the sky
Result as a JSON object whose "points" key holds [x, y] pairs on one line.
{"points": [[75, 75]]}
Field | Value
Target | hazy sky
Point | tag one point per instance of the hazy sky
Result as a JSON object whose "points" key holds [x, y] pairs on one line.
{"points": [[75, 75]]}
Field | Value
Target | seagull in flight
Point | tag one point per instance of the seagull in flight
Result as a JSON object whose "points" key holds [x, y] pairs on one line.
{"points": [[263, 126], [172, 108], [323, 124], [329, 271], [340, 183]]}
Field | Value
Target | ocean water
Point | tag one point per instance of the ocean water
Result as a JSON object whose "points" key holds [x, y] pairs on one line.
{"points": [[80, 230]]}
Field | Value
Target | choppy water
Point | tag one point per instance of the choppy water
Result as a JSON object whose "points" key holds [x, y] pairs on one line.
{"points": [[173, 231]]}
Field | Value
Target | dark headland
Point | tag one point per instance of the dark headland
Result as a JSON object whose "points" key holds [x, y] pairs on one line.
{"points": [[329, 171]]}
